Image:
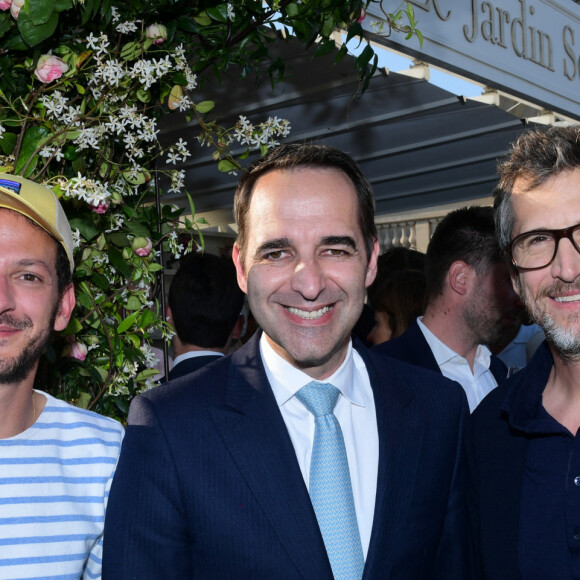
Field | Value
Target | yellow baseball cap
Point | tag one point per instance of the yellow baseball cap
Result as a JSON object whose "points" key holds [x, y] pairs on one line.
{"points": [[39, 204]]}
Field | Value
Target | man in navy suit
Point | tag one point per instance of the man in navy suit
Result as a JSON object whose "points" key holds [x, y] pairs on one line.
{"points": [[204, 307], [524, 444], [470, 303], [216, 480]]}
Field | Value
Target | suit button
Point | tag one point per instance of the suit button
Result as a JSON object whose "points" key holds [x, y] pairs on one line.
{"points": [[577, 480], [577, 535]]}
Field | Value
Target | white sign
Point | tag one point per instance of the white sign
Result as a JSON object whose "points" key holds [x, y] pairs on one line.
{"points": [[529, 48]]}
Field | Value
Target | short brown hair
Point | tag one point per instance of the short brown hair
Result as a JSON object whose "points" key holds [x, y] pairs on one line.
{"points": [[306, 155], [536, 157]]}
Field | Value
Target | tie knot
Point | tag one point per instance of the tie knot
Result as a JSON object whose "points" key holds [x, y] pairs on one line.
{"points": [[319, 398]]}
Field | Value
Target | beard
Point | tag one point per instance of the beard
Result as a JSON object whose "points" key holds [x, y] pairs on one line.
{"points": [[14, 370], [484, 323], [565, 340]]}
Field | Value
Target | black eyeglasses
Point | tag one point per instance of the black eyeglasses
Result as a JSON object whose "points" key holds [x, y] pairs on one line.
{"points": [[537, 249]]}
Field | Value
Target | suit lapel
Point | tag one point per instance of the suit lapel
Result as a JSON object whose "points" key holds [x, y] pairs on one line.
{"points": [[254, 432], [399, 432], [422, 355]]}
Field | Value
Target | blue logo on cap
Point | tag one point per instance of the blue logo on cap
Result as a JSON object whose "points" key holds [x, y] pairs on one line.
{"points": [[12, 186]]}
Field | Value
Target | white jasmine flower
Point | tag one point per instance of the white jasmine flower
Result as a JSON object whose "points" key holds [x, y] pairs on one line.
{"points": [[76, 235], [127, 27]]}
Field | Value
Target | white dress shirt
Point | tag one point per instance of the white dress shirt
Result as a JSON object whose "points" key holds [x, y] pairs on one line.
{"points": [[476, 384], [355, 411], [194, 354]]}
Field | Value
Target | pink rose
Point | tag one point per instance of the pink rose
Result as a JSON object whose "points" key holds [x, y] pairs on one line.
{"points": [[5, 4], [75, 349], [142, 246], [101, 207], [49, 68], [157, 32], [15, 7]]}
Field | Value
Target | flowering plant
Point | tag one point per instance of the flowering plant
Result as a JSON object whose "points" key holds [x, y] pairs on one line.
{"points": [[82, 88]]}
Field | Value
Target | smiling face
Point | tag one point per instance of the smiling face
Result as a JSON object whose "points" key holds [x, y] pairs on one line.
{"points": [[30, 307], [305, 269], [552, 294]]}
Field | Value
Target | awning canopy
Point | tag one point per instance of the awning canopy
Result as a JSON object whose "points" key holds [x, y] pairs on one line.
{"points": [[419, 145]]}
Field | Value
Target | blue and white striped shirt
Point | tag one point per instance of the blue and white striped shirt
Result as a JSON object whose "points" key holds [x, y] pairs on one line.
{"points": [[54, 485]]}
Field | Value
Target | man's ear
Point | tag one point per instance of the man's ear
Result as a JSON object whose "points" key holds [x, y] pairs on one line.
{"points": [[237, 258], [460, 277], [238, 327], [515, 277], [65, 308], [372, 265]]}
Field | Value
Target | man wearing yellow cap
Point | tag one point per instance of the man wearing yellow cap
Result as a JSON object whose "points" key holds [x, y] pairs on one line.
{"points": [[56, 461]]}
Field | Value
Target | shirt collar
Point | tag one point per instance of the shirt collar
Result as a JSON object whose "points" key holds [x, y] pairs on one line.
{"points": [[443, 354], [525, 389], [286, 380], [194, 354]]}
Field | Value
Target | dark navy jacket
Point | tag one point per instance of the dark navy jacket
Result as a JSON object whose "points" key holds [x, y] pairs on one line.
{"points": [[412, 347], [208, 484]]}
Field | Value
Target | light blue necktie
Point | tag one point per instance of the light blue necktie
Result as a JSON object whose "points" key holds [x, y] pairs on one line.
{"points": [[330, 487]]}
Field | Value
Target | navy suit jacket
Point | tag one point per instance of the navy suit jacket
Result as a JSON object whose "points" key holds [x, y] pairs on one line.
{"points": [[191, 364], [208, 485], [413, 348]]}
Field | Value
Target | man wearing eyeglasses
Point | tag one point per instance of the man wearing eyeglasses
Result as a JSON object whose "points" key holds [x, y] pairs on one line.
{"points": [[522, 447]]}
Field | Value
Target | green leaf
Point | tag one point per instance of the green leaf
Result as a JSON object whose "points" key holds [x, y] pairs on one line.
{"points": [[70, 152], [122, 405], [84, 400], [154, 267], [84, 300], [73, 327], [87, 229], [146, 374], [191, 204], [187, 24], [79, 165], [202, 19], [325, 47], [328, 27], [62, 5], [7, 143], [118, 262], [139, 179], [219, 13], [204, 106], [34, 34], [40, 11], [363, 59], [226, 165], [127, 323], [100, 281], [139, 229], [6, 23], [146, 318], [120, 240], [32, 139], [355, 29], [133, 303], [134, 339], [143, 95]]}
